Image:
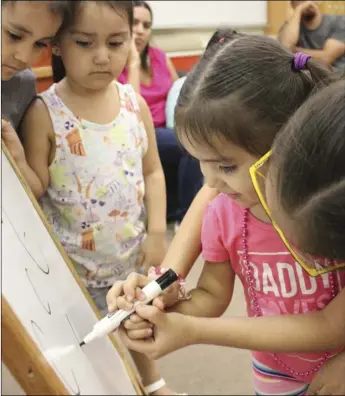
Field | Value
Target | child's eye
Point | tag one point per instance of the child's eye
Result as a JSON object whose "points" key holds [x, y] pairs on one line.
{"points": [[41, 45], [115, 44], [227, 169], [14, 36], [84, 44]]}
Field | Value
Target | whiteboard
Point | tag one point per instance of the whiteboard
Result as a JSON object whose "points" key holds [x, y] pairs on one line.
{"points": [[208, 14], [43, 293]]}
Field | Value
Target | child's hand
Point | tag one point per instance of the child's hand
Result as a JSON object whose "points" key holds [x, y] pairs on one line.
{"points": [[171, 331], [133, 55], [10, 138], [330, 378], [123, 293], [153, 250], [138, 328]]}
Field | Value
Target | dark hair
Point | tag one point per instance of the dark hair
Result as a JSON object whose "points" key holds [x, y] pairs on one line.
{"points": [[244, 90], [60, 8], [58, 67], [308, 167], [144, 55]]}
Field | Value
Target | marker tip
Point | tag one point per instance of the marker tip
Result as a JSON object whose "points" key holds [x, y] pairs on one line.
{"points": [[82, 343]]}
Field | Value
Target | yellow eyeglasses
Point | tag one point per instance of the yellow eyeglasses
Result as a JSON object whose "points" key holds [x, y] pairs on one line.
{"points": [[312, 265]]}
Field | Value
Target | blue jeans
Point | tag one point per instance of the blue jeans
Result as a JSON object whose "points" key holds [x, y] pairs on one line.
{"points": [[183, 176]]}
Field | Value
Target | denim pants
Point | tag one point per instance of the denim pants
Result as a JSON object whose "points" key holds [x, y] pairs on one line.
{"points": [[183, 176]]}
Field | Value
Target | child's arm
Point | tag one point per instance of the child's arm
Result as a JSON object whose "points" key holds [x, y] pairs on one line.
{"points": [[133, 67], [186, 245], [39, 144], [32, 161], [213, 293], [312, 332], [155, 196]]}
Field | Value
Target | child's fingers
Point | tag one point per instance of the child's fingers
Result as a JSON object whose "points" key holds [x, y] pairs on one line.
{"points": [[139, 334], [113, 294], [144, 324], [133, 282], [135, 318], [159, 303], [123, 303], [139, 295]]}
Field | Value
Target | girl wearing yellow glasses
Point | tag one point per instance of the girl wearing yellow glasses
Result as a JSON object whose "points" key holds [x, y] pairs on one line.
{"points": [[229, 112]]}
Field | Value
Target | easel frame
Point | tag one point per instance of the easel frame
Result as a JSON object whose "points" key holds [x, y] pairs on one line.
{"points": [[29, 363]]}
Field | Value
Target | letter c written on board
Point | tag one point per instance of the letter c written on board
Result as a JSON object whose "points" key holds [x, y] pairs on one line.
{"points": [[45, 271], [46, 308]]}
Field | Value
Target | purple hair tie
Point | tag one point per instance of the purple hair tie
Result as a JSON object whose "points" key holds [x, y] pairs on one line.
{"points": [[300, 61]]}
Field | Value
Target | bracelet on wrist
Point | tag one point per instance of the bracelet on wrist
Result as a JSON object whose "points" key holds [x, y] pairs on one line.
{"points": [[183, 293]]}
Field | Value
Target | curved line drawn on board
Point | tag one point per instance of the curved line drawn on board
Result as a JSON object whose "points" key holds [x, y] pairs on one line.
{"points": [[73, 331], [36, 327], [24, 246], [49, 311]]}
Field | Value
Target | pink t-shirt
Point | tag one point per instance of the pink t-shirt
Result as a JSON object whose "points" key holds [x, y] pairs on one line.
{"points": [[281, 285], [156, 93]]}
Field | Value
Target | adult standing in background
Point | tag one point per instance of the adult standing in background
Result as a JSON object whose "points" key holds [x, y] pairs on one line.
{"points": [[320, 35], [152, 74]]}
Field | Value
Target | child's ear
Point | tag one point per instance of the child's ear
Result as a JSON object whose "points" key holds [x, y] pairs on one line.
{"points": [[56, 50]]}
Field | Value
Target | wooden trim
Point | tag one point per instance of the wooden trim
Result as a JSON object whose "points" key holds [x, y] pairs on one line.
{"points": [[43, 71], [24, 359], [134, 378]]}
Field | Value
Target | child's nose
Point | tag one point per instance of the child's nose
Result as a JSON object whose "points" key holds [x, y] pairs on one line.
{"points": [[24, 54], [101, 56]]}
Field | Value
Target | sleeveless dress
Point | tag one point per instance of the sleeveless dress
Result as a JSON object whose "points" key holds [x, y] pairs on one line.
{"points": [[95, 198]]}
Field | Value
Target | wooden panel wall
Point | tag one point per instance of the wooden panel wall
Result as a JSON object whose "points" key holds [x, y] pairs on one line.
{"points": [[44, 73]]}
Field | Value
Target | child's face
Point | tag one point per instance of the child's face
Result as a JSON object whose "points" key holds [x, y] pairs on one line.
{"points": [[95, 49], [27, 29], [226, 168]]}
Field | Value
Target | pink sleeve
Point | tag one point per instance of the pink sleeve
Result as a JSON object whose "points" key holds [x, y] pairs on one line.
{"points": [[213, 249]]}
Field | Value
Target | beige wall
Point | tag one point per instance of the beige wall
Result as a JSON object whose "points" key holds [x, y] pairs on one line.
{"points": [[183, 42]]}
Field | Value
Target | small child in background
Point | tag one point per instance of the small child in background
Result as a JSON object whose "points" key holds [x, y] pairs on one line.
{"points": [[230, 109], [23, 41], [91, 156]]}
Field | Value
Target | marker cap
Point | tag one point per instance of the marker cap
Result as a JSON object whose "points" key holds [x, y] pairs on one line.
{"points": [[167, 279]]}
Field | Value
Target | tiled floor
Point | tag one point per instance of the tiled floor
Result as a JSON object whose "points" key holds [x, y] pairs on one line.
{"points": [[206, 370]]}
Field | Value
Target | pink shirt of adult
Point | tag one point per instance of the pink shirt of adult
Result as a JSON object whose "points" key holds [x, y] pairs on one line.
{"points": [[156, 93], [281, 285]]}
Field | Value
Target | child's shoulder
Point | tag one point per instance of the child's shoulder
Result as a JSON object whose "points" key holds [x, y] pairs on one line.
{"points": [[28, 78], [24, 84]]}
